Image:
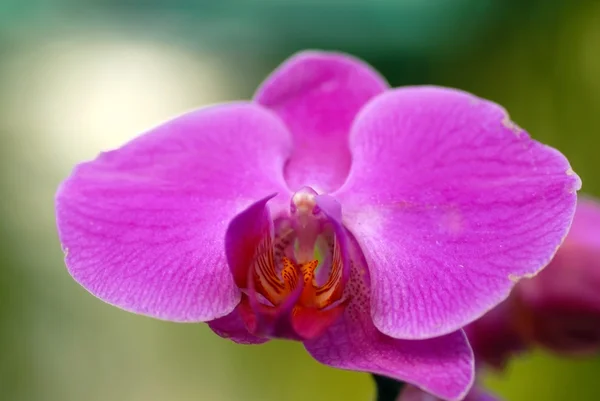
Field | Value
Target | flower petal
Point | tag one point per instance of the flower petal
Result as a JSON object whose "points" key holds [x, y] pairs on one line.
{"points": [[318, 94], [443, 366], [143, 227], [452, 204], [233, 328]]}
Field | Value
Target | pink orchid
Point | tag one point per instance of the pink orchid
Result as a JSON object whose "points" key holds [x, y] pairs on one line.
{"points": [[370, 223]]}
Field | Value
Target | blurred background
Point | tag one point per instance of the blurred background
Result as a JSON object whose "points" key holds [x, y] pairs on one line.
{"points": [[81, 76]]}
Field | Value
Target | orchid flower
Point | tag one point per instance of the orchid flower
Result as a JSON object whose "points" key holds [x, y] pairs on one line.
{"points": [[369, 223]]}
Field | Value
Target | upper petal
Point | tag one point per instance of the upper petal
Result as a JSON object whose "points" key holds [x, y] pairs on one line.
{"points": [[318, 94], [451, 203], [143, 227], [443, 366]]}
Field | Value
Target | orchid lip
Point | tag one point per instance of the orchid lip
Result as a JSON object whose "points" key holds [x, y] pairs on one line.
{"points": [[297, 267]]}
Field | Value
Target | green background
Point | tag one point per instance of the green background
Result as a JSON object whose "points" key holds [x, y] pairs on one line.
{"points": [[81, 76]]}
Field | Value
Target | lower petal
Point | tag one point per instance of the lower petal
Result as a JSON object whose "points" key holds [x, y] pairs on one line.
{"points": [[443, 366]]}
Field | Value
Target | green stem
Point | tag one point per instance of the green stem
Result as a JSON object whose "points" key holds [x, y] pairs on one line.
{"points": [[387, 389]]}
